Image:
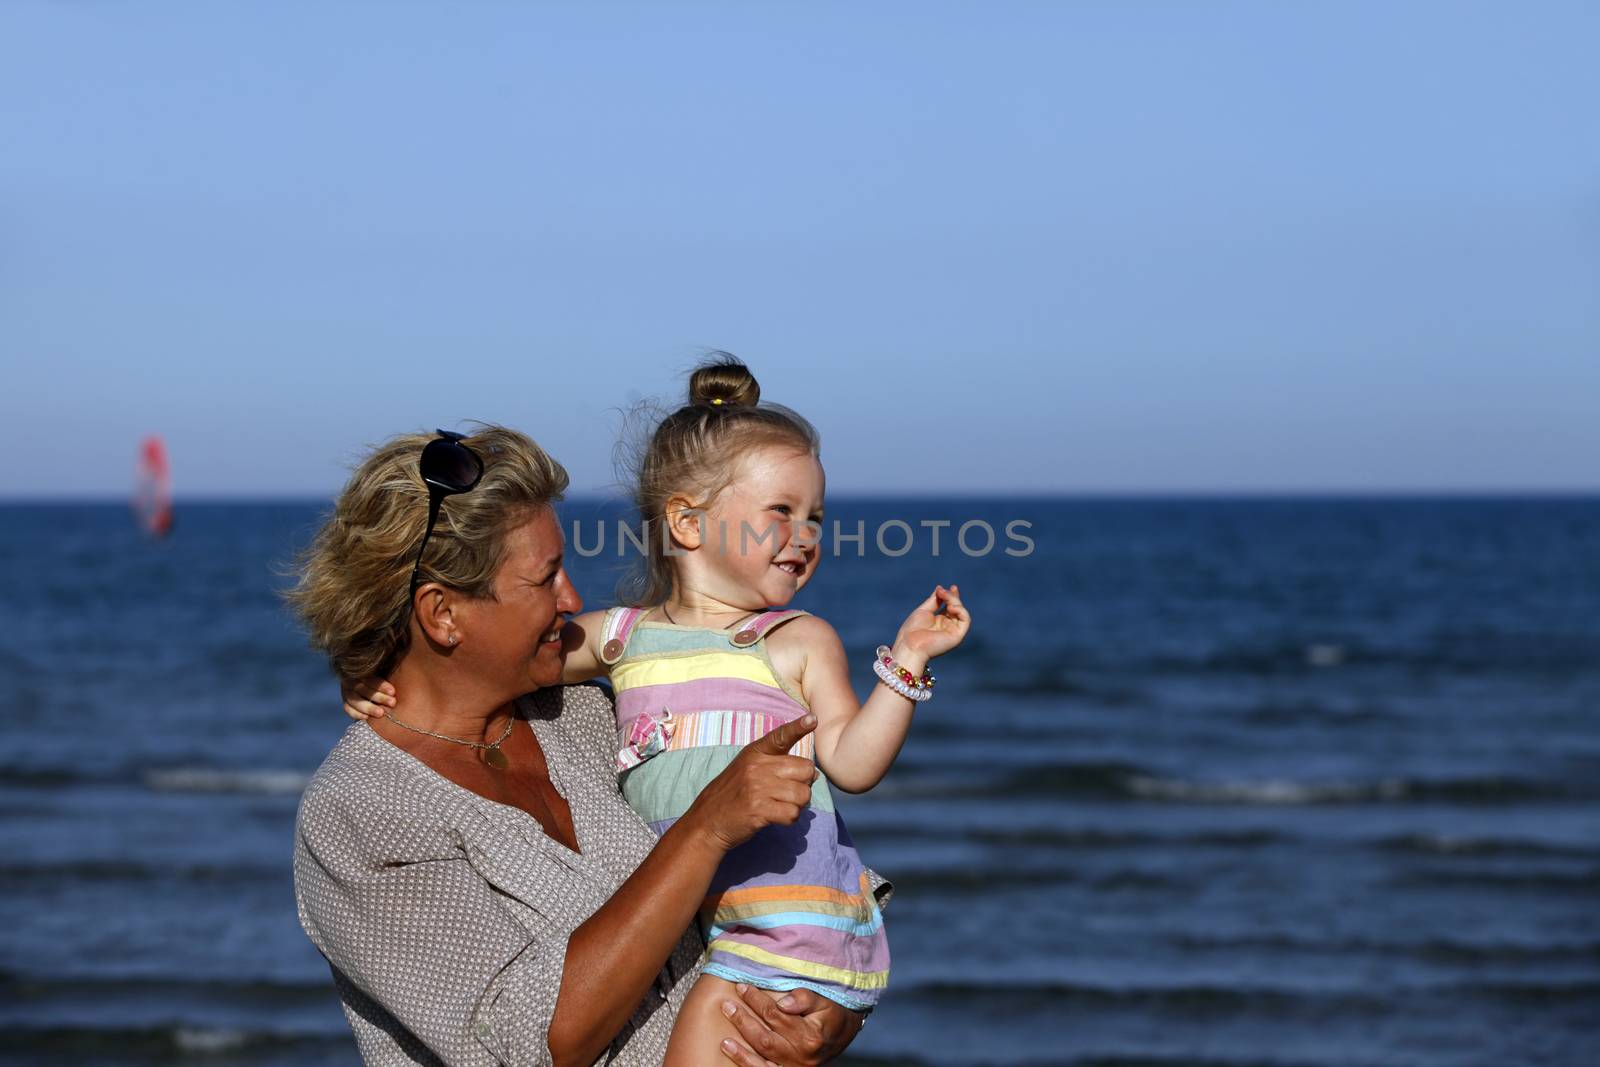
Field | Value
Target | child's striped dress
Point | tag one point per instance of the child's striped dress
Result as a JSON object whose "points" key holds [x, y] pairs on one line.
{"points": [[792, 906]]}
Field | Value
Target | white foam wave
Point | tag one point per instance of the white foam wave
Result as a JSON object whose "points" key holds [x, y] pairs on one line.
{"points": [[190, 1039], [1324, 655], [211, 780], [1267, 791]]}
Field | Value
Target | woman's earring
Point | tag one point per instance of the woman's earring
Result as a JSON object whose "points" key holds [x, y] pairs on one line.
{"points": [[452, 639]]}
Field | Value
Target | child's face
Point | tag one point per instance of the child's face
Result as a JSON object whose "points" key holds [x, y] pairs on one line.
{"points": [[771, 518]]}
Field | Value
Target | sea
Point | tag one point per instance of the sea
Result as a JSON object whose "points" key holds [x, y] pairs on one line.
{"points": [[1257, 782]]}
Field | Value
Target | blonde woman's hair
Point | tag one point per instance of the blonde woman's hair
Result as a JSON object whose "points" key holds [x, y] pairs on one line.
{"points": [[353, 587], [694, 452]]}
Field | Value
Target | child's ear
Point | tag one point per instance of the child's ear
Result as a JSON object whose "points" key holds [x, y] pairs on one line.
{"points": [[686, 522]]}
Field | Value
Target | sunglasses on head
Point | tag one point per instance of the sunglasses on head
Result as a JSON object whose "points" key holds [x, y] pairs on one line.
{"points": [[448, 467]]}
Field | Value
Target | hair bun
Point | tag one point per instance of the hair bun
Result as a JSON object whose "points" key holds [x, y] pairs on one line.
{"points": [[724, 381]]}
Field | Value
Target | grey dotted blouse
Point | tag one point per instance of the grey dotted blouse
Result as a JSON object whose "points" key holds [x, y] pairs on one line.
{"points": [[445, 916]]}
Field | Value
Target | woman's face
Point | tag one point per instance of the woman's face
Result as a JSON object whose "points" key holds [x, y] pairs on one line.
{"points": [[517, 635]]}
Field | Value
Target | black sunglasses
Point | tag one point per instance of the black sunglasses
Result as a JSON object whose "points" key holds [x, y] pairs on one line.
{"points": [[448, 467]]}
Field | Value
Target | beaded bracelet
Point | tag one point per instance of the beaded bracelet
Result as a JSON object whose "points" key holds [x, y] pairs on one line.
{"points": [[901, 680]]}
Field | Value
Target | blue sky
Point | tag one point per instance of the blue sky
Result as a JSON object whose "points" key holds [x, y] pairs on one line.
{"points": [[1002, 247]]}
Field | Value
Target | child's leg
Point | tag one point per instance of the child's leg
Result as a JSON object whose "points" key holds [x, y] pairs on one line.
{"points": [[698, 1034]]}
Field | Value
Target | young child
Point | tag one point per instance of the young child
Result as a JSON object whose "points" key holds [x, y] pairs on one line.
{"points": [[702, 664]]}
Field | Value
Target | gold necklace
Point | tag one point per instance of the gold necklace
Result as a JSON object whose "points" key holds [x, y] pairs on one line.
{"points": [[674, 622], [491, 750]]}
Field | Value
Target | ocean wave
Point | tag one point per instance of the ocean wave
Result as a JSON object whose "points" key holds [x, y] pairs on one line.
{"points": [[1438, 950], [1071, 837], [1270, 659], [1454, 845], [18, 985], [111, 870], [1202, 998], [1586, 881], [158, 1044], [1501, 651], [1265, 791], [193, 1039], [40, 777], [964, 880], [1092, 1059], [1107, 778], [1581, 990], [215, 780], [160, 779], [1197, 998], [1062, 682], [1311, 713], [1112, 780]]}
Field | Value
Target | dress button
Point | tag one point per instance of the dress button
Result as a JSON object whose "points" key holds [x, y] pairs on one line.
{"points": [[745, 638], [483, 1030], [612, 649]]}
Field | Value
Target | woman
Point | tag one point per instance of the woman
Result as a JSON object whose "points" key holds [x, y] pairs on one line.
{"points": [[474, 878]]}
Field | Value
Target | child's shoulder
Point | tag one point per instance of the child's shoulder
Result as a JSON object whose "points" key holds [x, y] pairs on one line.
{"points": [[616, 613], [592, 624], [803, 644], [585, 638], [802, 628], [594, 618]]}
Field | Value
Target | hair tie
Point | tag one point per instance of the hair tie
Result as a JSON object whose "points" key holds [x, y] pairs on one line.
{"points": [[716, 400]]}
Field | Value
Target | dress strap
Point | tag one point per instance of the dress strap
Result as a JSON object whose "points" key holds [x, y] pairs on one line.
{"points": [[757, 627], [614, 636]]}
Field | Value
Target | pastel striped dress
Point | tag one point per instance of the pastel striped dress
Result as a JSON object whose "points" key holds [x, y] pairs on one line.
{"points": [[792, 907]]}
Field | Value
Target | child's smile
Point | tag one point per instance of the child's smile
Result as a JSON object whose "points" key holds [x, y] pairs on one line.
{"points": [[763, 530]]}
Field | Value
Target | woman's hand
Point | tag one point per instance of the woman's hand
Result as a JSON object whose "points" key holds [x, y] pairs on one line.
{"points": [[763, 786], [367, 698], [798, 1029], [936, 626]]}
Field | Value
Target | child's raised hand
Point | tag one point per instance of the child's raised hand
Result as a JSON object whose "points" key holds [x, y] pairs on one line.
{"points": [[367, 698], [937, 625]]}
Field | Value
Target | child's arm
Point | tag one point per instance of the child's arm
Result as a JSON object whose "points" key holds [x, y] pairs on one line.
{"points": [[371, 698], [582, 640], [856, 742]]}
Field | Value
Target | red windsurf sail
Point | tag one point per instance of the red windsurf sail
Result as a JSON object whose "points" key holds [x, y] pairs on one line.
{"points": [[152, 494]]}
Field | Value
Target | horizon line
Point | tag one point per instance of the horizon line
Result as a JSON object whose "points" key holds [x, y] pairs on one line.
{"points": [[1484, 493]]}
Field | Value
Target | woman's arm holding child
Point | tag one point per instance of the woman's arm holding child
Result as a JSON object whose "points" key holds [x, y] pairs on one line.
{"points": [[856, 742]]}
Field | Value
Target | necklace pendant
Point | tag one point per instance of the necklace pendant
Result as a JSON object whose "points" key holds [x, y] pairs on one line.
{"points": [[495, 758]]}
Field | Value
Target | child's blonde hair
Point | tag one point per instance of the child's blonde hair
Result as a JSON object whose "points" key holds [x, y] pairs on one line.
{"points": [[695, 451]]}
